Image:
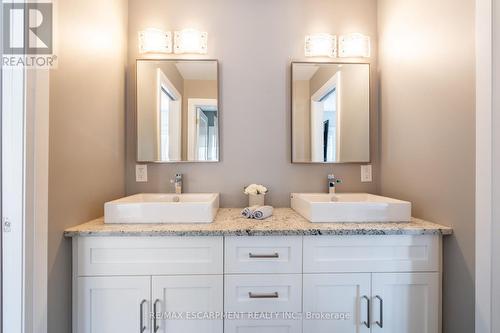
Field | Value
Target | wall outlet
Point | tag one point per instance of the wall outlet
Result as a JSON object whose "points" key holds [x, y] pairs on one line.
{"points": [[141, 173], [366, 173]]}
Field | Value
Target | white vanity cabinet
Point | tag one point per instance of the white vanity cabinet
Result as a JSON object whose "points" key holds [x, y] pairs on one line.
{"points": [[124, 304], [307, 284], [380, 302], [263, 277], [406, 302], [119, 282], [263, 326], [112, 304], [336, 302], [193, 296], [383, 284]]}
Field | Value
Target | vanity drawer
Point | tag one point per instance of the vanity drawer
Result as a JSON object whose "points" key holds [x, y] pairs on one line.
{"points": [[391, 253], [263, 326], [149, 255], [266, 254], [263, 293]]}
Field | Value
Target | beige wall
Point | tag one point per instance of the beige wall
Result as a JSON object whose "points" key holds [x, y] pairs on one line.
{"points": [[301, 121], [254, 42], [354, 121], [87, 150], [147, 119], [427, 130]]}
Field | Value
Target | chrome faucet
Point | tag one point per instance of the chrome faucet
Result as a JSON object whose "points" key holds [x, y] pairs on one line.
{"points": [[332, 183], [178, 183]]}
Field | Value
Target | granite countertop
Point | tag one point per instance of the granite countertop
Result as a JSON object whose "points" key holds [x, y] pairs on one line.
{"points": [[284, 221]]}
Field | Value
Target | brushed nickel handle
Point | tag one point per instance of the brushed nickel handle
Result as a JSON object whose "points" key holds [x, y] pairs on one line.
{"points": [[142, 327], [255, 256], [380, 322], [264, 295], [368, 319], [155, 326]]}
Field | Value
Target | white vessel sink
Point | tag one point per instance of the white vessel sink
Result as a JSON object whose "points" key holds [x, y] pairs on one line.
{"points": [[163, 208], [350, 207]]}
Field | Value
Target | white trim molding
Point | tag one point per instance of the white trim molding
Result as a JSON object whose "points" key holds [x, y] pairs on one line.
{"points": [[25, 138], [175, 118], [484, 165], [36, 198], [13, 205]]}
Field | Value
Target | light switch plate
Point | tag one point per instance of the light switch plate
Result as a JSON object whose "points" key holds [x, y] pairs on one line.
{"points": [[366, 173], [141, 173]]}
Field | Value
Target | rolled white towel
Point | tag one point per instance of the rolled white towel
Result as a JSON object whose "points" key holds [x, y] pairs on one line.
{"points": [[247, 212], [262, 212]]}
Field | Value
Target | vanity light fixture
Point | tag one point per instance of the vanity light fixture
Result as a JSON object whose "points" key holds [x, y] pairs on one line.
{"points": [[321, 45], [190, 41], [155, 41], [354, 45]]}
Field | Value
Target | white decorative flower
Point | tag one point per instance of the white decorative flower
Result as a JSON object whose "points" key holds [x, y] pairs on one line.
{"points": [[255, 189]]}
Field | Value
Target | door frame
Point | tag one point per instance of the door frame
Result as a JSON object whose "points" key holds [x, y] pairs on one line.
{"points": [[13, 192], [25, 104], [487, 79], [200, 116], [193, 103]]}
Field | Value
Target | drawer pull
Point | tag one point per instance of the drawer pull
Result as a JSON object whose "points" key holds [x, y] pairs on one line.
{"points": [[263, 295], [261, 256], [142, 327], [367, 323], [155, 311], [380, 322]]}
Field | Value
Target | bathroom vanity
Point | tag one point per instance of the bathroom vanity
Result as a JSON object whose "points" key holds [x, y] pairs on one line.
{"points": [[149, 269], [283, 274]]}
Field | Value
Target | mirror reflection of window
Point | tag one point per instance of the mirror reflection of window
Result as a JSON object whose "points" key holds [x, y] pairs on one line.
{"points": [[330, 129], [324, 119], [164, 124]]}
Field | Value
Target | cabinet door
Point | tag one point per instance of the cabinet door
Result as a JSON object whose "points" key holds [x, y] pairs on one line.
{"points": [[405, 302], [113, 304], [336, 303], [188, 304]]}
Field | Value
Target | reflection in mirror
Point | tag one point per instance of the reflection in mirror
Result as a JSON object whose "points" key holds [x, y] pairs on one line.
{"points": [[330, 113], [177, 111]]}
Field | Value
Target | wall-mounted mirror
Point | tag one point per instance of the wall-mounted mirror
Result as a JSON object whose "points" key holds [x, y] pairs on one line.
{"points": [[177, 111], [330, 112]]}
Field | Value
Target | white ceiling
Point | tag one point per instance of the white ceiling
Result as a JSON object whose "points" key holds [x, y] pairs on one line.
{"points": [[193, 70], [304, 72]]}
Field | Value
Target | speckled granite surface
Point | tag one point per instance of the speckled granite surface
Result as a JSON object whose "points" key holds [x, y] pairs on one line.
{"points": [[285, 221]]}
